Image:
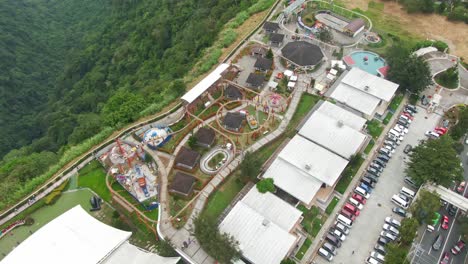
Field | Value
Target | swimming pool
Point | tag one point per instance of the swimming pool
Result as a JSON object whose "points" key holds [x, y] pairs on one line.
{"points": [[367, 61]]}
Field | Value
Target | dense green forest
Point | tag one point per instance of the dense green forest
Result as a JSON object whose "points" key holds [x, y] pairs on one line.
{"points": [[71, 68]]}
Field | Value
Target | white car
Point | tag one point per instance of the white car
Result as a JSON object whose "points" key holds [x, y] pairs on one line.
{"points": [[391, 229], [403, 129], [338, 234], [392, 222], [388, 235], [377, 256], [342, 228], [356, 203], [406, 118], [432, 134]]}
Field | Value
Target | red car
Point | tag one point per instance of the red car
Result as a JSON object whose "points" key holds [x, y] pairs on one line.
{"points": [[359, 198], [445, 222], [445, 258], [351, 208], [408, 115], [459, 246], [441, 129]]}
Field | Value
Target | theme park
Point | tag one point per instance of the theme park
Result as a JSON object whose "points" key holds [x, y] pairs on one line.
{"points": [[279, 146]]}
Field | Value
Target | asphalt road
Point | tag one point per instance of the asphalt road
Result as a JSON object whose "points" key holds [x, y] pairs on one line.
{"points": [[368, 225], [452, 235]]}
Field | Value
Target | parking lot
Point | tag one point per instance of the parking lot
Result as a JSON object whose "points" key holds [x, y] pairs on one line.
{"points": [[368, 225], [425, 253]]}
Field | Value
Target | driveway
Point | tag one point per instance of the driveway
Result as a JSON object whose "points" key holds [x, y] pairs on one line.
{"points": [[368, 225]]}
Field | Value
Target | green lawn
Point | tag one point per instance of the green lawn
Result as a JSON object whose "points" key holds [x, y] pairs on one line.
{"points": [[374, 128], [93, 176], [387, 118], [396, 101], [369, 146], [332, 205], [306, 103], [304, 248], [348, 175], [223, 196]]}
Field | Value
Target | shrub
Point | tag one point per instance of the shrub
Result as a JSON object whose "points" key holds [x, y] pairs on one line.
{"points": [[266, 185], [439, 45]]}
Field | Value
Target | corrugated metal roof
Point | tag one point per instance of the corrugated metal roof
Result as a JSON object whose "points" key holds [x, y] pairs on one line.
{"points": [[370, 84], [333, 134], [357, 99], [260, 240]]}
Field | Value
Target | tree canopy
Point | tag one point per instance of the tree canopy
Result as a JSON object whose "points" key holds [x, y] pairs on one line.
{"points": [[435, 161], [221, 246], [425, 207], [395, 254], [250, 167], [266, 185], [408, 229], [410, 72]]}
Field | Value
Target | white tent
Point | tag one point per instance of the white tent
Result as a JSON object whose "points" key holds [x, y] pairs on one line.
{"points": [[288, 73], [291, 84]]}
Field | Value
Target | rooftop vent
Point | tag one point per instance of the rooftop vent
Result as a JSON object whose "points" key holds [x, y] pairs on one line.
{"points": [[307, 166], [366, 88], [340, 123], [265, 222]]}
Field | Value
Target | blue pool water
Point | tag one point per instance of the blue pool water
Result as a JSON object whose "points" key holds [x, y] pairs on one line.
{"points": [[373, 63]]}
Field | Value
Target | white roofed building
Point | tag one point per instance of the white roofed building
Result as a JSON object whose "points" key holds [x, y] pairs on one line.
{"points": [[302, 167], [364, 92], [329, 127], [75, 237], [264, 225], [204, 84]]}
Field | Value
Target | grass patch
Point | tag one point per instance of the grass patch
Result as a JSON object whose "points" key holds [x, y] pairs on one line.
{"points": [[93, 176], [387, 118], [304, 248], [313, 220], [306, 103], [396, 101], [369, 146], [316, 226], [332, 205], [447, 80], [348, 174], [374, 128], [223, 196]]}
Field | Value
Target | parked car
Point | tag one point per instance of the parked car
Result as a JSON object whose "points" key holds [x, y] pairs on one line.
{"points": [[380, 163], [356, 203], [407, 149], [385, 151], [368, 182], [366, 187], [376, 166], [410, 182], [383, 241], [408, 115], [383, 158], [377, 256], [445, 222], [373, 171], [359, 198], [411, 107], [372, 177], [351, 208], [390, 143], [461, 187], [432, 134], [325, 254], [342, 228], [406, 118], [388, 235], [330, 248], [403, 122], [391, 229], [348, 214], [459, 246], [441, 130], [337, 233], [333, 240], [399, 211], [394, 138], [404, 197], [380, 249], [445, 258], [392, 222], [438, 242]]}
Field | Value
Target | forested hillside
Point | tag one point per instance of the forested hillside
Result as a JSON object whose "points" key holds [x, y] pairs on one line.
{"points": [[70, 68]]}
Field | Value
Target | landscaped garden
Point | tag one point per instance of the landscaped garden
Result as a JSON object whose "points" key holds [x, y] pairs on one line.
{"points": [[349, 173], [93, 176], [374, 128], [448, 78], [312, 223], [332, 205], [369, 146]]}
